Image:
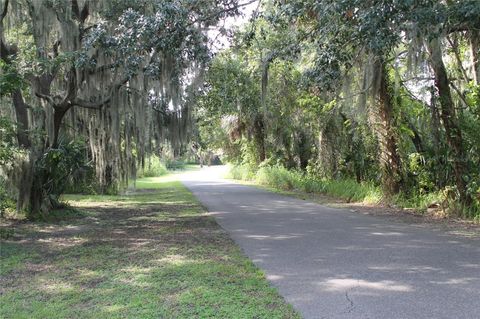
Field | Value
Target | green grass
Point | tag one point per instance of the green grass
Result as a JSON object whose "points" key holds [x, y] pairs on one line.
{"points": [[150, 254], [283, 179]]}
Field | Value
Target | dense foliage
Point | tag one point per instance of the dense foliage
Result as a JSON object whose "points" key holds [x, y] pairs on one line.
{"points": [[377, 94], [98, 83], [382, 92]]}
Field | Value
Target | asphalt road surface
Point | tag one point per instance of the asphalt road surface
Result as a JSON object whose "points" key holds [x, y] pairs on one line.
{"points": [[332, 263]]}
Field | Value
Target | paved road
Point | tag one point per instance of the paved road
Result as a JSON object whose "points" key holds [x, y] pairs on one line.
{"points": [[332, 263]]}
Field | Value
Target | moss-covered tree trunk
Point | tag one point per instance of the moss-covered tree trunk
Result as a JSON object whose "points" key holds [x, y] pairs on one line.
{"points": [[390, 160], [259, 137]]}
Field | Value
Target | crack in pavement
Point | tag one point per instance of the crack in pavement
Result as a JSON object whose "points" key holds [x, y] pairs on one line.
{"points": [[351, 306]]}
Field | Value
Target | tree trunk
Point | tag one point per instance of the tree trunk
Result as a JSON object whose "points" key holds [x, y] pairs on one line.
{"points": [[259, 136], [38, 202], [437, 140], [449, 119], [435, 125], [21, 114], [7, 53], [389, 158], [58, 114], [260, 117], [475, 54], [304, 152]]}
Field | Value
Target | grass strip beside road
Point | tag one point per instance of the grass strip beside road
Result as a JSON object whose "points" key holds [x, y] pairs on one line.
{"points": [[154, 253]]}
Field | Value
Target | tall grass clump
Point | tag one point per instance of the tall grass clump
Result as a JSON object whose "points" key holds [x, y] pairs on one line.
{"points": [[278, 177], [418, 201], [353, 191]]}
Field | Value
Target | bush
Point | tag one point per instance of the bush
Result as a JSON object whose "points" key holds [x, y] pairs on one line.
{"points": [[6, 202], [83, 181], [444, 200], [153, 168], [59, 168], [350, 190], [241, 172], [8, 149]]}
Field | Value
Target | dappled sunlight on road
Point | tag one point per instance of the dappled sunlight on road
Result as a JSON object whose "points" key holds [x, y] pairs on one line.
{"points": [[343, 264], [274, 277], [345, 284], [277, 237]]}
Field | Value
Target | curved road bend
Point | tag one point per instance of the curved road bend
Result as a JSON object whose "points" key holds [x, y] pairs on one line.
{"points": [[332, 263]]}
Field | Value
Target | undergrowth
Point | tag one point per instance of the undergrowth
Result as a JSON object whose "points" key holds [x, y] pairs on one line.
{"points": [[281, 178], [154, 167]]}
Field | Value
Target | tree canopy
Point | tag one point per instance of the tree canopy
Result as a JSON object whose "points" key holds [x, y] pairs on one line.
{"points": [[378, 92]]}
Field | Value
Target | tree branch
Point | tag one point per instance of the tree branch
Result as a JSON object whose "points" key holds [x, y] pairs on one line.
{"points": [[71, 88], [90, 105], [220, 12], [461, 27], [413, 97], [4, 11], [99, 104], [102, 68], [45, 97], [460, 94], [459, 60]]}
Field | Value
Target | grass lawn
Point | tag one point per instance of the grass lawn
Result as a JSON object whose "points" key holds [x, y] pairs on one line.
{"points": [[150, 254]]}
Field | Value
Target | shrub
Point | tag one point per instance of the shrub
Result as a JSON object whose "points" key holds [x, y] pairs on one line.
{"points": [[352, 191], [5, 200], [279, 177], [8, 148], [242, 172], [153, 168], [60, 167]]}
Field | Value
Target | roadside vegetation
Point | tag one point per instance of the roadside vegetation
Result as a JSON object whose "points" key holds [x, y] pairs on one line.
{"points": [[364, 100], [150, 254], [347, 190]]}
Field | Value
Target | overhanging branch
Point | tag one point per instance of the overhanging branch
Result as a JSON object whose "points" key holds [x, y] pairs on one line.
{"points": [[45, 97], [99, 104], [4, 11]]}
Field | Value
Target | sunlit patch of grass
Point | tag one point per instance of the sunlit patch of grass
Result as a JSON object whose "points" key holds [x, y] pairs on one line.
{"points": [[153, 253], [161, 182]]}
